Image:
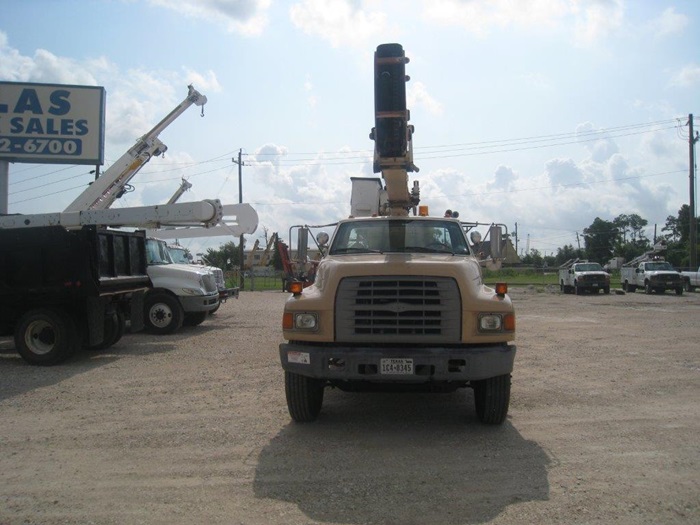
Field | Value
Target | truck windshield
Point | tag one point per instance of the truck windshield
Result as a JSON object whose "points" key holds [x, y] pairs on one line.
{"points": [[657, 266], [157, 252], [399, 235], [178, 255], [588, 267]]}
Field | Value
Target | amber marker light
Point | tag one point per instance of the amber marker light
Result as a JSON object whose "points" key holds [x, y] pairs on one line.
{"points": [[501, 289], [423, 211], [509, 322], [287, 321], [296, 287]]}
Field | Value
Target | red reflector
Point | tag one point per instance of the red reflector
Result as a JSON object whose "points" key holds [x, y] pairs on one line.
{"points": [[509, 323], [287, 321]]}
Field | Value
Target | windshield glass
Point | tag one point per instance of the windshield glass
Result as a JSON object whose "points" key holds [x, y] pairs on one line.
{"points": [[589, 267], [398, 235], [656, 266], [179, 255], [157, 252]]}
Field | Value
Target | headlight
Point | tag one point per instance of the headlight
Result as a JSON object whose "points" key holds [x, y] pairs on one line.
{"points": [[490, 322], [300, 321], [497, 322], [191, 291]]}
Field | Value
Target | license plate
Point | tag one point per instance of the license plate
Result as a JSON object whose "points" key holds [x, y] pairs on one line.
{"points": [[595, 285], [396, 366]]}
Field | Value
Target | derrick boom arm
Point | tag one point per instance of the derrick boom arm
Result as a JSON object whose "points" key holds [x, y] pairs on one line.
{"points": [[102, 193]]}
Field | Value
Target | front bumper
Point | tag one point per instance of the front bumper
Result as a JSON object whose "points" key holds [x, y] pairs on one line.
{"points": [[225, 293], [357, 363], [199, 303]]}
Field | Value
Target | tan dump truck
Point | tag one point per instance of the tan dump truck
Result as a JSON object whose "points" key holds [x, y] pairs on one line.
{"points": [[399, 302]]}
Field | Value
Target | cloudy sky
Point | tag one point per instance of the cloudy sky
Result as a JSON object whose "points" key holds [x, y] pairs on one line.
{"points": [[544, 113]]}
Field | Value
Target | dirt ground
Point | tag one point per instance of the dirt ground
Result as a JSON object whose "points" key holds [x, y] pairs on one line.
{"points": [[604, 427]]}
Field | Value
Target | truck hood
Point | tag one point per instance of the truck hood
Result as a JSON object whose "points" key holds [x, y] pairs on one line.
{"points": [[596, 272], [461, 268], [660, 272], [181, 271]]}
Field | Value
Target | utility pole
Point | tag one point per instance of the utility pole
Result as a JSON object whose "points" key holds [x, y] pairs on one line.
{"points": [[516, 237], [240, 201], [691, 170]]}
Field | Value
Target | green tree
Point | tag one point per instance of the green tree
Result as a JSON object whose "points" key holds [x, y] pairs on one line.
{"points": [[534, 258], [226, 257], [565, 253], [600, 238]]}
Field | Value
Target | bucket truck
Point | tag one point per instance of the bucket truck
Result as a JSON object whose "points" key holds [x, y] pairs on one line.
{"points": [[178, 293], [398, 302]]}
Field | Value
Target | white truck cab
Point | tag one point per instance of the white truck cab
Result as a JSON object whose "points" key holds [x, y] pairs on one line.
{"points": [[181, 293]]}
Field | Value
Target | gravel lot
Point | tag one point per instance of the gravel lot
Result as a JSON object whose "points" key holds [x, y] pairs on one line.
{"points": [[193, 428]]}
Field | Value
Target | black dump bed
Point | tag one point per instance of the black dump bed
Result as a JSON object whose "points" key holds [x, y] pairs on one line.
{"points": [[51, 264]]}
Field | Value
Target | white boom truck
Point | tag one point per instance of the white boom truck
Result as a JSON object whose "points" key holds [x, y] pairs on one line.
{"points": [[577, 276], [178, 294], [398, 302], [652, 273]]}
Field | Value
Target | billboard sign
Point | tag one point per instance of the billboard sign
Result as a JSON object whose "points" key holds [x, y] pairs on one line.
{"points": [[52, 123]]}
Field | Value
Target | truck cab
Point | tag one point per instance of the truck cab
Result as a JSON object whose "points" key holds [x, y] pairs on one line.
{"points": [[653, 276], [399, 303], [179, 255], [181, 293], [583, 276]]}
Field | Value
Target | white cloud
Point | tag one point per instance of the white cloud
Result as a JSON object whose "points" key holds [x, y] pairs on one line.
{"points": [[340, 22], [247, 17], [417, 95], [669, 23], [136, 99], [687, 77], [588, 20]]}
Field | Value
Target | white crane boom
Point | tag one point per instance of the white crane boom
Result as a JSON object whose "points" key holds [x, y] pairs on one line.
{"points": [[102, 193]]}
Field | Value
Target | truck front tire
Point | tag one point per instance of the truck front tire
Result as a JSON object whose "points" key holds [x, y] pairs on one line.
{"points": [[194, 318], [304, 397], [46, 337], [114, 328], [163, 314], [492, 398]]}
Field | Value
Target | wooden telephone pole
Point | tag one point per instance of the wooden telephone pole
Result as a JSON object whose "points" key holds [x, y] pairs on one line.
{"points": [[692, 139], [240, 200]]}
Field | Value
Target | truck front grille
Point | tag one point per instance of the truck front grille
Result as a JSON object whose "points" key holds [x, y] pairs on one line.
{"points": [[398, 309], [209, 283]]}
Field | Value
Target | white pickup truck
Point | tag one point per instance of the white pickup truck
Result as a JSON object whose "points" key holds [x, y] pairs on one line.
{"points": [[584, 276], [653, 276], [691, 280]]}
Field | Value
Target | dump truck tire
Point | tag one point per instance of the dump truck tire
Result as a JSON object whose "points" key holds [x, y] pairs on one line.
{"points": [[492, 398], [304, 397]]}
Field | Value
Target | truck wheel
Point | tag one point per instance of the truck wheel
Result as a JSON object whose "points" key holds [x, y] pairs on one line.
{"points": [[492, 398], [679, 291], [164, 314], [688, 287], [648, 289], [115, 326], [194, 318], [624, 287], [304, 397], [46, 337], [606, 290], [578, 290], [631, 288]]}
